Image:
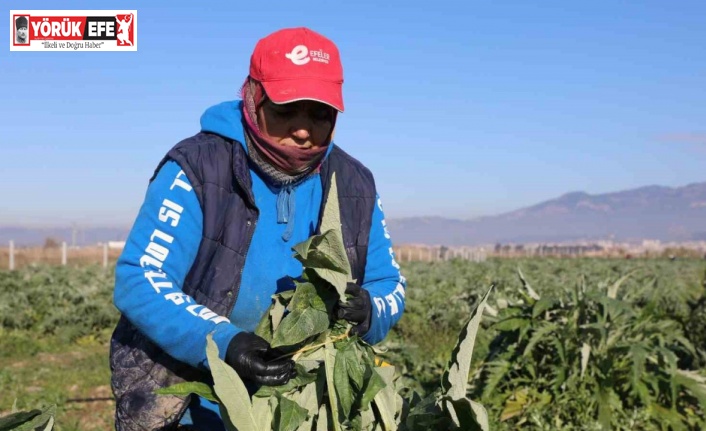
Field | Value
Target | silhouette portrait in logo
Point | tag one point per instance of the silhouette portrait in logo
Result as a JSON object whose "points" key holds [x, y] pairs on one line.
{"points": [[21, 34], [124, 29]]}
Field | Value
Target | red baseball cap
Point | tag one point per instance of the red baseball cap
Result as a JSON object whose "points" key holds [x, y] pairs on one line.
{"points": [[298, 64]]}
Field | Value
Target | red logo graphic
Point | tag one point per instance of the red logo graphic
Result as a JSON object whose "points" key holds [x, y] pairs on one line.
{"points": [[126, 29]]}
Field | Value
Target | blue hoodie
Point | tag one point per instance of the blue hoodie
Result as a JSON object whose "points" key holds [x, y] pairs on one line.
{"points": [[171, 221]]}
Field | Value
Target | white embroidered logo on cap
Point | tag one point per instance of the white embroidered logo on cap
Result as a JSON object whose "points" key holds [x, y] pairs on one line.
{"points": [[299, 55]]}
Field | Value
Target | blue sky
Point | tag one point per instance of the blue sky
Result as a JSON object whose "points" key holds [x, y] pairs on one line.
{"points": [[460, 109]]}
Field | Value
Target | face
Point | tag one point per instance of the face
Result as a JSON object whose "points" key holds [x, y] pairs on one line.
{"points": [[22, 32], [305, 123]]}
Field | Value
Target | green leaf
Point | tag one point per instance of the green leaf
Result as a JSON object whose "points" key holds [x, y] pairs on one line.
{"points": [[496, 372], [49, 425], [27, 420], [638, 356], [539, 335], [34, 419], [384, 400], [262, 412], [344, 357], [324, 251], [532, 294], [230, 390], [199, 388], [373, 384], [331, 220], [306, 296], [356, 364], [326, 255], [668, 417], [43, 420], [301, 250], [515, 405], [308, 398], [426, 414], [511, 324], [278, 308], [367, 419], [288, 415], [471, 415], [323, 420], [338, 280], [330, 363], [15, 419], [455, 379], [299, 325], [607, 402], [694, 382], [542, 305], [272, 318], [264, 327], [585, 354], [613, 289]]}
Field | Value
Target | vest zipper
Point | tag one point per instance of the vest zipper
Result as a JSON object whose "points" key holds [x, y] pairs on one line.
{"points": [[236, 289]]}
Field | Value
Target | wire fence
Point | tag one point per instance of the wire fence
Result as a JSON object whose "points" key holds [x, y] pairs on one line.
{"points": [[13, 257], [421, 253], [106, 254]]}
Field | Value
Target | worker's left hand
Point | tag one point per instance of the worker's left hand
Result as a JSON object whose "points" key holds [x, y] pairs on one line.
{"points": [[357, 310]]}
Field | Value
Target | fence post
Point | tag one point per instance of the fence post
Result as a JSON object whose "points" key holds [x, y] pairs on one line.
{"points": [[105, 255], [63, 253], [12, 255]]}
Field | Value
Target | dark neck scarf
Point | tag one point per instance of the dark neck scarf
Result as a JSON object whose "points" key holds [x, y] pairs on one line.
{"points": [[293, 162]]}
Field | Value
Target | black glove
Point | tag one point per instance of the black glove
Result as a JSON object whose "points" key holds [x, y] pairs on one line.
{"points": [[357, 310], [253, 359]]}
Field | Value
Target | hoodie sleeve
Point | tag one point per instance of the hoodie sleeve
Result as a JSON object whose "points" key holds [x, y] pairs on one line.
{"points": [[150, 273], [383, 280]]}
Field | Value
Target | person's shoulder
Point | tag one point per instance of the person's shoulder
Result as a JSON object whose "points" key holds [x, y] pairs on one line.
{"points": [[203, 145], [339, 156], [198, 151], [201, 141]]}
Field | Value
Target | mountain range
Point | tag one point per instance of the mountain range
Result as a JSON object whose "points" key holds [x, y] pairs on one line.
{"points": [[652, 212]]}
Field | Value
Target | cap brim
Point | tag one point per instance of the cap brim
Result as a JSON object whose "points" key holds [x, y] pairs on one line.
{"points": [[292, 90]]}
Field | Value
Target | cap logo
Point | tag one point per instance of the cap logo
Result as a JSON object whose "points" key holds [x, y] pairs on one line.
{"points": [[299, 55]]}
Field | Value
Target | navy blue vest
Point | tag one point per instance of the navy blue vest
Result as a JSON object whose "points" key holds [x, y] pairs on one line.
{"points": [[219, 173]]}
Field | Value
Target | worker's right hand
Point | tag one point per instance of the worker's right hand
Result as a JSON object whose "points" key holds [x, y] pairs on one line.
{"points": [[253, 359]]}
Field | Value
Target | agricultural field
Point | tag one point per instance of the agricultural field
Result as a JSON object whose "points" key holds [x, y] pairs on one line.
{"points": [[576, 344]]}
